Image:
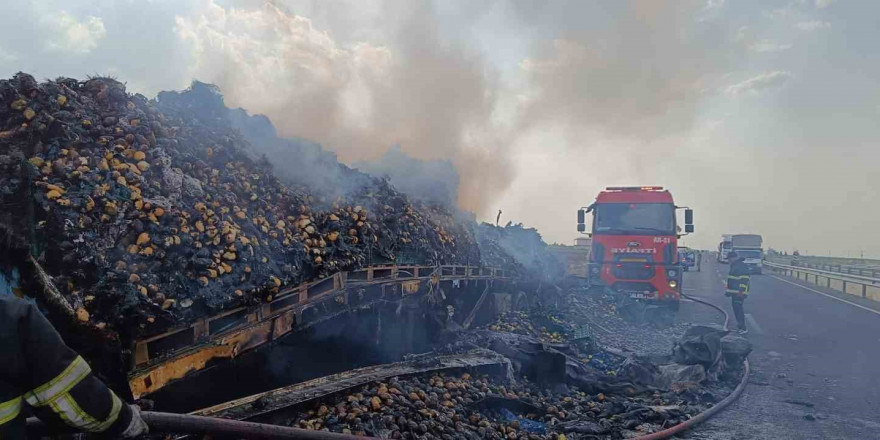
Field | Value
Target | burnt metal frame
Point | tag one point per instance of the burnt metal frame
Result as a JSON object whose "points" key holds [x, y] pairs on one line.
{"points": [[262, 324]]}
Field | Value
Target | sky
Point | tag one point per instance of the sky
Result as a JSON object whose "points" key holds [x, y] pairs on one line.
{"points": [[759, 115]]}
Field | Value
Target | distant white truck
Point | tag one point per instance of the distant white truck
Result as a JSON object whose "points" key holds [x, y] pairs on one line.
{"points": [[749, 247], [724, 248]]}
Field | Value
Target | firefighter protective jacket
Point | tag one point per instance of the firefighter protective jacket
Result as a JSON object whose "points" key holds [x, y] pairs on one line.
{"points": [[738, 278], [39, 371]]}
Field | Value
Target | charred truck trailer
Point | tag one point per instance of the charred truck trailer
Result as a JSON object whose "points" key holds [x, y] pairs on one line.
{"points": [[635, 242], [162, 243]]}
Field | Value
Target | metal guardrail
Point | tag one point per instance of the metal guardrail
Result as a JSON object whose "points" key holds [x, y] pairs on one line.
{"points": [[872, 272], [867, 279], [866, 287]]}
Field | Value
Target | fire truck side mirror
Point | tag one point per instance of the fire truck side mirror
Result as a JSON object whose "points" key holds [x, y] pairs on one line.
{"points": [[582, 227], [580, 219], [689, 218], [689, 228]]}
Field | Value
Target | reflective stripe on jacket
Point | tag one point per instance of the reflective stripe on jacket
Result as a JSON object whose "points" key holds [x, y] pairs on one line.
{"points": [[40, 372], [738, 278]]}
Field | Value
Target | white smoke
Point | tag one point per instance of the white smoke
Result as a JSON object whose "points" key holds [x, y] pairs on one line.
{"points": [[434, 100]]}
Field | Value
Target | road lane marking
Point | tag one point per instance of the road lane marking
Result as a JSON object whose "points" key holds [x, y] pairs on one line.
{"points": [[825, 294], [750, 320]]}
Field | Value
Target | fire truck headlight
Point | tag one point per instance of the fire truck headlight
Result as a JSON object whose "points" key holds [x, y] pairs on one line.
{"points": [[672, 283], [671, 274]]}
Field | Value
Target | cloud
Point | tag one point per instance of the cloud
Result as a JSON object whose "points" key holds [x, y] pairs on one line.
{"points": [[813, 25], [72, 35], [759, 83], [822, 4], [763, 46]]}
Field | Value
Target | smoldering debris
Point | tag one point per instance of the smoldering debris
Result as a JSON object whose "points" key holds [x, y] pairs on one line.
{"points": [[514, 244], [550, 329], [461, 406], [152, 213], [565, 382]]}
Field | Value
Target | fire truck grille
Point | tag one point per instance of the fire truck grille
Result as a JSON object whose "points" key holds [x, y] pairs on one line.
{"points": [[633, 271]]}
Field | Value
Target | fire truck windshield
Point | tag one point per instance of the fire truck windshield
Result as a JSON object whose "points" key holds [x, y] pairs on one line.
{"points": [[634, 218]]}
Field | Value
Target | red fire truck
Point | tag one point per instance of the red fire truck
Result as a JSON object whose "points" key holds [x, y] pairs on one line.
{"points": [[635, 245]]}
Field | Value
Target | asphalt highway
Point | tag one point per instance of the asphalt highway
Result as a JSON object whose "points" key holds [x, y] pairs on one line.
{"points": [[815, 364]]}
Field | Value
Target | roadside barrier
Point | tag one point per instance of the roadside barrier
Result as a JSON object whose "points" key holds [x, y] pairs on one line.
{"points": [[856, 285]]}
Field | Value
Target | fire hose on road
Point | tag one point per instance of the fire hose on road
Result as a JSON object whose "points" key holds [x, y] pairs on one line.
{"points": [[198, 425], [188, 424], [705, 415]]}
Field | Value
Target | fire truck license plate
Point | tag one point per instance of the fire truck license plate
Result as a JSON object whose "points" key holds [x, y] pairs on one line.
{"points": [[639, 295]]}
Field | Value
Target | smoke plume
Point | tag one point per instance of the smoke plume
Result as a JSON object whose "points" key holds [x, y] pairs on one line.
{"points": [[538, 105], [631, 83], [430, 181], [434, 99]]}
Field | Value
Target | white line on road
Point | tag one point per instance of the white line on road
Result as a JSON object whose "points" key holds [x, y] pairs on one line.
{"points": [[830, 296]]}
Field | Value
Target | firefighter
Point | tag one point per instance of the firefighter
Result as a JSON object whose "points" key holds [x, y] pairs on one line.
{"points": [[738, 288], [40, 372]]}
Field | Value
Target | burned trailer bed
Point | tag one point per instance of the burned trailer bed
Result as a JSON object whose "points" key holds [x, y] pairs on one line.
{"points": [[165, 358], [271, 406]]}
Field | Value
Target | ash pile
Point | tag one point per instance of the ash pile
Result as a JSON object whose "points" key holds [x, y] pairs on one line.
{"points": [[148, 214]]}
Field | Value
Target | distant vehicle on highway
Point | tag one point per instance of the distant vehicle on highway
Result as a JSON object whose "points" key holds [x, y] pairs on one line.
{"points": [[749, 247], [688, 258], [724, 248]]}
